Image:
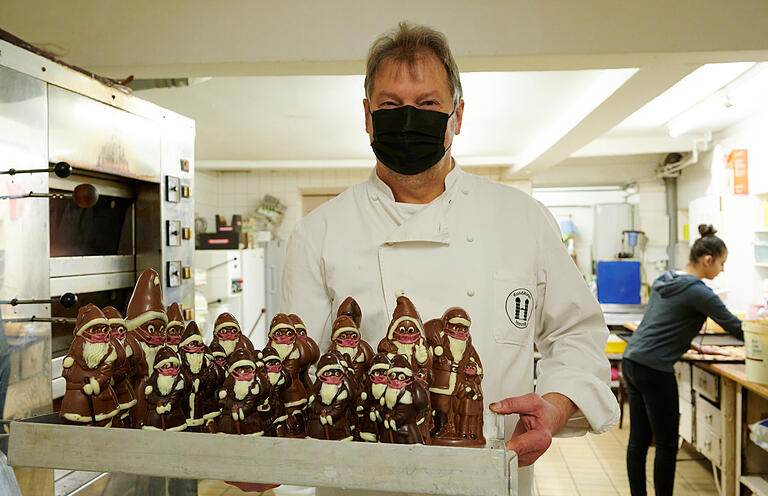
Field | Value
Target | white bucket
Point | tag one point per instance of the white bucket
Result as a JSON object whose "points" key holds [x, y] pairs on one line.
{"points": [[756, 344]]}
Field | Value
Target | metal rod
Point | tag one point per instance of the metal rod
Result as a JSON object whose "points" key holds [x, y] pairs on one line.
{"points": [[67, 300], [51, 320], [61, 169], [220, 264]]}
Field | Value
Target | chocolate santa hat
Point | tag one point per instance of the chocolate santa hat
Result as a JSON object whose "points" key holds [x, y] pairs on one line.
{"points": [[343, 323], [456, 315], [113, 316], [166, 357], [239, 358], [404, 311], [216, 350], [280, 321], [146, 302], [191, 334], [329, 361], [268, 353], [89, 316], [296, 321], [225, 320], [380, 361], [401, 364], [350, 308], [174, 315]]}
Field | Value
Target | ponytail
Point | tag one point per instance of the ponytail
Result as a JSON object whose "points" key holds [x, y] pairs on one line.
{"points": [[707, 244]]}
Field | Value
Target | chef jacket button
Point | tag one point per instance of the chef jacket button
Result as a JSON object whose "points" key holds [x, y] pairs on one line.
{"points": [[470, 239], [470, 292], [465, 191], [375, 198]]}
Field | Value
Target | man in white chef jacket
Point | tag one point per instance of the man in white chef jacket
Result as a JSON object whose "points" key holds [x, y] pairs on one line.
{"points": [[422, 227]]}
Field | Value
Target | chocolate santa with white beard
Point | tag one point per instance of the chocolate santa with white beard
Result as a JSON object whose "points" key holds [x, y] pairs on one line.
{"points": [[295, 355], [87, 369], [373, 387], [405, 337], [405, 402], [217, 363], [201, 379], [273, 411], [301, 334], [329, 411], [145, 320], [165, 393], [175, 326], [452, 347], [244, 390], [227, 333], [345, 338], [122, 368]]}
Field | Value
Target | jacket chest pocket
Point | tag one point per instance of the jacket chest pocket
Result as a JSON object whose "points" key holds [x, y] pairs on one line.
{"points": [[514, 307]]}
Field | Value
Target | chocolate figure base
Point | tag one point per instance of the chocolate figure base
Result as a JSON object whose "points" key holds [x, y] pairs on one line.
{"points": [[458, 442]]}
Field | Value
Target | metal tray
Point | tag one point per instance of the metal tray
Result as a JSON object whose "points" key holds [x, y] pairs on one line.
{"points": [[45, 442]]}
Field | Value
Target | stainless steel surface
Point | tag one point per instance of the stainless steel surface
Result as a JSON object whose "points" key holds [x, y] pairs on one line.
{"points": [[670, 188], [92, 283], [105, 187], [77, 266], [24, 243], [94, 136], [56, 367], [622, 308], [58, 386]]}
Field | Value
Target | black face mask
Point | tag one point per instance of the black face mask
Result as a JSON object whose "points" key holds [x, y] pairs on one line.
{"points": [[409, 140]]}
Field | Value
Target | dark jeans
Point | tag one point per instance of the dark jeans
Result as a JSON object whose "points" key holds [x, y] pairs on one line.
{"points": [[653, 413]]}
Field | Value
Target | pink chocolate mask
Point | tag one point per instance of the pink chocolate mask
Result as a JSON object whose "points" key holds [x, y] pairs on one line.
{"points": [[406, 338], [331, 379], [173, 339], [378, 379], [168, 370], [274, 369], [99, 337], [284, 339], [455, 333], [193, 348], [243, 376], [397, 383], [348, 343], [228, 336]]}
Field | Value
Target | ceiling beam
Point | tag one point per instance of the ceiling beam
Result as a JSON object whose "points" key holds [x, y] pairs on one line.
{"points": [[646, 84]]}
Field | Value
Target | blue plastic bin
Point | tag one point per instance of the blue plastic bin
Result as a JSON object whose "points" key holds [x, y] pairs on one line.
{"points": [[618, 282]]}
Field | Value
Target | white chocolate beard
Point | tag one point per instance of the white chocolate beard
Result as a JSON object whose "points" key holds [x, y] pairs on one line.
{"points": [[273, 377], [165, 384], [229, 346], [457, 347], [241, 388], [377, 390], [283, 350], [349, 351], [93, 353], [404, 349], [390, 397], [195, 361], [149, 354], [328, 392]]}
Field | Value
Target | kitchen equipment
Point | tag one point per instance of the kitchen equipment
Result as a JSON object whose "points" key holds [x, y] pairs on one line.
{"points": [[756, 345], [618, 282]]}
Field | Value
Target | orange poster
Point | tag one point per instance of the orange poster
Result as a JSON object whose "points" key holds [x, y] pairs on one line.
{"points": [[737, 162]]}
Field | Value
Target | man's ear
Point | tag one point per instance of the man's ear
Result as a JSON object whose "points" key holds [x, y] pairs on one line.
{"points": [[367, 112], [459, 116]]}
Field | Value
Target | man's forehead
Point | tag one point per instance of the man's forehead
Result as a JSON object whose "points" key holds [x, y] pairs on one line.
{"points": [[424, 74]]}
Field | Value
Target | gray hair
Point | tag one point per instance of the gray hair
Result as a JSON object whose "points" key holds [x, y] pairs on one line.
{"points": [[405, 44]]}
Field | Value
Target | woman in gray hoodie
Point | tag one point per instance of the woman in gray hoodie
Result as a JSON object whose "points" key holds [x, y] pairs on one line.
{"points": [[678, 306]]}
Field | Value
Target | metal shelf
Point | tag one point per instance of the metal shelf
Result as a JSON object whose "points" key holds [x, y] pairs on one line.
{"points": [[756, 483], [46, 443]]}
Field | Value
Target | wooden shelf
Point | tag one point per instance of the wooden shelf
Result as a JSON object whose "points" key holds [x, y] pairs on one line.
{"points": [[46, 443], [756, 483]]}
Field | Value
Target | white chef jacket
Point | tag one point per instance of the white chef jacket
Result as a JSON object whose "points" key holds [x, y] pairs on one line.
{"points": [[484, 246]]}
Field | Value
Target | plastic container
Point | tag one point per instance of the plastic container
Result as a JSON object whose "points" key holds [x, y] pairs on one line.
{"points": [[761, 252], [756, 345]]}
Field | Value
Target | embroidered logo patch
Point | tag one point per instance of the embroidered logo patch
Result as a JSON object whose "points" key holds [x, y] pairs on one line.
{"points": [[519, 307]]}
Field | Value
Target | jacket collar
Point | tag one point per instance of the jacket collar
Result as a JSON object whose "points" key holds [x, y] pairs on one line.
{"points": [[428, 225]]}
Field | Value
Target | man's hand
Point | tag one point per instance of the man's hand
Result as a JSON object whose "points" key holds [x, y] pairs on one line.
{"points": [[252, 487], [540, 419]]}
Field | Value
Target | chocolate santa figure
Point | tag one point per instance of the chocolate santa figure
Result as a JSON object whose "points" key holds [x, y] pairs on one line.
{"points": [[372, 391], [175, 326], [351, 309], [227, 333], [217, 365], [329, 412], [405, 401], [405, 337], [145, 320], [295, 355], [452, 348], [354, 385], [244, 390], [345, 338], [273, 411], [200, 378], [469, 405], [88, 368], [301, 333], [122, 367], [164, 393]]}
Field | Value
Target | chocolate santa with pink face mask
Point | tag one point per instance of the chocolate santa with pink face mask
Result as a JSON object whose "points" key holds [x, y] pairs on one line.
{"points": [[405, 402], [164, 392], [405, 337], [175, 326], [226, 332], [452, 347], [145, 320], [201, 379], [88, 367], [273, 411], [217, 365], [373, 387], [345, 338], [123, 367], [295, 355], [329, 411], [244, 390], [301, 334]]}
